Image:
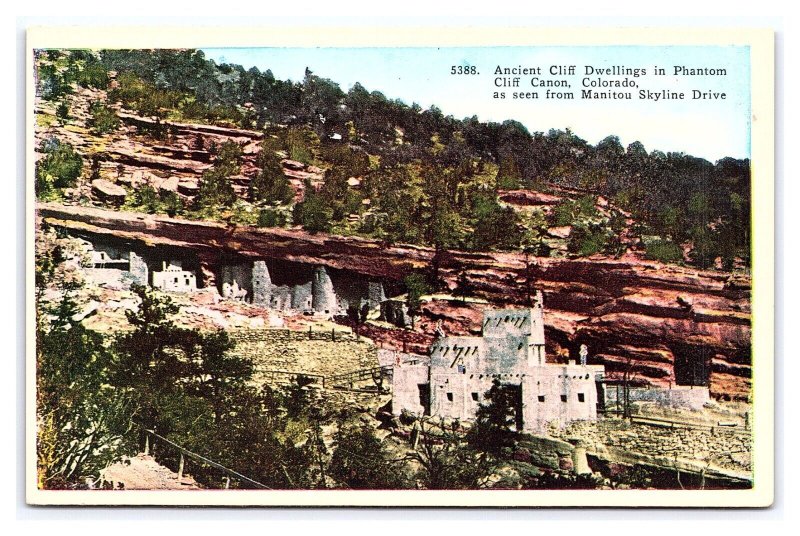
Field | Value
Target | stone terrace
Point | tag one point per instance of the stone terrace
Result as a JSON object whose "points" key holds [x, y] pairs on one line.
{"points": [[297, 351]]}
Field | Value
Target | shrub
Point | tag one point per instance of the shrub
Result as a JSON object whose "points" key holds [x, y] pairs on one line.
{"points": [[103, 119], [586, 240], [269, 217], [663, 250], [59, 168]]}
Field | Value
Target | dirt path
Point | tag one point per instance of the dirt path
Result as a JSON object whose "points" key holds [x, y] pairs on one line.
{"points": [[143, 473]]}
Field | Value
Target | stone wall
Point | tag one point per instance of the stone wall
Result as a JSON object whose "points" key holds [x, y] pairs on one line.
{"points": [[683, 397], [623, 441], [139, 269], [407, 382], [563, 392], [236, 282], [317, 352]]}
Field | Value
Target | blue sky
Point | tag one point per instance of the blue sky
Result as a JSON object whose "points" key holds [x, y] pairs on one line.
{"points": [[710, 129]]}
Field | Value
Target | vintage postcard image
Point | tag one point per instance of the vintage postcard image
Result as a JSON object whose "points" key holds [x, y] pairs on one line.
{"points": [[417, 268]]}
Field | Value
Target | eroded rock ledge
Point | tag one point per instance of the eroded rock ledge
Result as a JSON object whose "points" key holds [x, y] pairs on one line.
{"points": [[660, 321]]}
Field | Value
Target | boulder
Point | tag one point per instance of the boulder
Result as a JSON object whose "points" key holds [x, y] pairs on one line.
{"points": [[169, 185], [560, 232], [108, 191], [293, 164], [188, 187]]}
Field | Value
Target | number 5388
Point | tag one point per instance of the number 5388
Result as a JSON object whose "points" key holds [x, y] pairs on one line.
{"points": [[463, 69]]}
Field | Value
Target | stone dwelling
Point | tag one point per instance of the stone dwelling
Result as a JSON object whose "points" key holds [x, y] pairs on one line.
{"points": [[279, 285], [173, 278], [451, 383]]}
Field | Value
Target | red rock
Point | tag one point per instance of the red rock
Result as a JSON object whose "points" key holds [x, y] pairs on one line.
{"points": [[293, 164], [169, 185], [108, 191], [560, 232], [623, 309], [527, 198], [189, 187]]}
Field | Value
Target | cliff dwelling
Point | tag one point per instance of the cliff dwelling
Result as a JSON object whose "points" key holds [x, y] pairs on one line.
{"points": [[511, 349]]}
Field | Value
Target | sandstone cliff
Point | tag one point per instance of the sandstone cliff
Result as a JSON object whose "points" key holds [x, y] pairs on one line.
{"points": [[662, 323]]}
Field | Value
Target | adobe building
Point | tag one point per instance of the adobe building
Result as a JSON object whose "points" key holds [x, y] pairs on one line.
{"points": [[511, 349], [173, 278]]}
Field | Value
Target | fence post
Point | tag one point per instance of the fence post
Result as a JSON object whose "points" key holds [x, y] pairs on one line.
{"points": [[309, 332], [227, 482], [333, 334], [147, 443], [180, 468]]}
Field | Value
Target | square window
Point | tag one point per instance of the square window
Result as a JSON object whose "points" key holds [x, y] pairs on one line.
{"points": [[581, 398], [563, 398], [475, 397], [541, 398], [449, 397]]}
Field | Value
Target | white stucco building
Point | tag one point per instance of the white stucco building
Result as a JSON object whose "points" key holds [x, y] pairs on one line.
{"points": [[173, 278], [453, 380]]}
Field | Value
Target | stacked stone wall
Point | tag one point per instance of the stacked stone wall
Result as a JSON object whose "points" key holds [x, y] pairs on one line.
{"points": [[324, 353], [726, 448]]}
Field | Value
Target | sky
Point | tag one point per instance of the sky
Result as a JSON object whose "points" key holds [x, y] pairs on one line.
{"points": [[708, 128]]}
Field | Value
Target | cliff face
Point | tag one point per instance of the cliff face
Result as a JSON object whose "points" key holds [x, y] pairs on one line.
{"points": [[664, 324]]}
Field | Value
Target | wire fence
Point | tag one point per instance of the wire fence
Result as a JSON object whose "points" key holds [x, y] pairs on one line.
{"points": [[186, 453]]}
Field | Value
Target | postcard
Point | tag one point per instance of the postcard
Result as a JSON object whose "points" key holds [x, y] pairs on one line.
{"points": [[400, 267]]}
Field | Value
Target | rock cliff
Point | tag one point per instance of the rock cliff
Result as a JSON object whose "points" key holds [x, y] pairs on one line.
{"points": [[661, 323]]}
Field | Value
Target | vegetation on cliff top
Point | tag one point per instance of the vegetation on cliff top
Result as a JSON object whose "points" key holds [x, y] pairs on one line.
{"points": [[425, 178]]}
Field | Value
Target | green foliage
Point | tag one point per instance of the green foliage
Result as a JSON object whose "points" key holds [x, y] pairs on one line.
{"points": [[172, 203], [270, 185], [416, 286], [62, 110], [589, 238], [494, 226], [59, 168], [146, 197], [705, 247], [143, 97], [162, 356], [360, 460], [83, 423], [494, 430], [447, 462], [664, 251], [302, 144], [509, 176], [591, 232], [338, 196], [270, 217], [533, 239], [568, 211], [215, 185], [229, 155], [152, 201], [313, 213], [93, 75], [345, 159], [53, 82], [399, 195], [103, 119]]}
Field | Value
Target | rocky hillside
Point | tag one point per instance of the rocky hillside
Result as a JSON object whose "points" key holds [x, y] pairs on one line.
{"points": [[663, 323], [129, 156]]}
